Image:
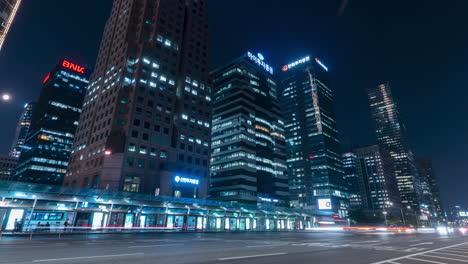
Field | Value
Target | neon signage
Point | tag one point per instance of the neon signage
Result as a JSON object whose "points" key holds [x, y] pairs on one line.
{"points": [[179, 179], [259, 60], [321, 64], [269, 200], [44, 81], [294, 64], [74, 67]]}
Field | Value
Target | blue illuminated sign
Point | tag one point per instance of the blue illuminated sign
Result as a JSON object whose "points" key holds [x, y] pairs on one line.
{"points": [[259, 60], [321, 64], [179, 179], [260, 56]]}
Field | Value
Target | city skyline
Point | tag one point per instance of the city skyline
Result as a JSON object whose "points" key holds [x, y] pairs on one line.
{"points": [[256, 43]]}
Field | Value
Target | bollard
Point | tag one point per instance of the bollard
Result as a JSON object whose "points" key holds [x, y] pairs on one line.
{"points": [[30, 236]]}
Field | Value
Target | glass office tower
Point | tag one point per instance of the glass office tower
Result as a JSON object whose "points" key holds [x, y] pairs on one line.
{"points": [[350, 163], [8, 9], [248, 162], [313, 150], [376, 179], [391, 136], [46, 151], [22, 129]]}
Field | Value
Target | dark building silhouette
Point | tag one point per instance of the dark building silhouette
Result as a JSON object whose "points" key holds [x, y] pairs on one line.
{"points": [[431, 195], [7, 165], [146, 118], [248, 162], [46, 151]]}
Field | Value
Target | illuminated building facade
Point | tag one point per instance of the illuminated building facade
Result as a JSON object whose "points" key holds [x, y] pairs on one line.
{"points": [[146, 118], [377, 184], [430, 189], [313, 150], [8, 9], [248, 161], [22, 129], [46, 151], [350, 163], [7, 165], [391, 136]]}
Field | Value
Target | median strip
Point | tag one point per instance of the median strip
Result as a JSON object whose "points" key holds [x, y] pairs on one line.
{"points": [[89, 257], [252, 256]]}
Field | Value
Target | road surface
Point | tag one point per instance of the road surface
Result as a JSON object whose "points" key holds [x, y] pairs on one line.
{"points": [[230, 248]]}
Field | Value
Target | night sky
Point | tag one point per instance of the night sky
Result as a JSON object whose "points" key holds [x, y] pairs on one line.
{"points": [[421, 47]]}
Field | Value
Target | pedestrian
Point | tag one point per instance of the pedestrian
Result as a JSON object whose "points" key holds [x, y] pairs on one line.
{"points": [[47, 227]]}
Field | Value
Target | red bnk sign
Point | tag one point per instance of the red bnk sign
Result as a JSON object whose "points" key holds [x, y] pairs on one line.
{"points": [[74, 67]]}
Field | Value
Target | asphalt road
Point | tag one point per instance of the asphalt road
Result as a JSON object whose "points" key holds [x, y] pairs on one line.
{"points": [[229, 248]]}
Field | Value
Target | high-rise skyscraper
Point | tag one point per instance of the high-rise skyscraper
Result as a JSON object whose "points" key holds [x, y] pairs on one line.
{"points": [[22, 129], [391, 136], [248, 162], [313, 149], [431, 193], [46, 151], [377, 183], [146, 118], [350, 163], [8, 9]]}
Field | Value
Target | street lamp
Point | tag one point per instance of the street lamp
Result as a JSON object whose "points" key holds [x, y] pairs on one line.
{"points": [[385, 216], [6, 97]]}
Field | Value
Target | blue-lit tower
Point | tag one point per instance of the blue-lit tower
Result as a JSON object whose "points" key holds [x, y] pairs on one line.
{"points": [[47, 148], [314, 162]]}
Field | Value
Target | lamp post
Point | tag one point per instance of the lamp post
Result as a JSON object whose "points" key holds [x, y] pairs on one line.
{"points": [[6, 97], [385, 216]]}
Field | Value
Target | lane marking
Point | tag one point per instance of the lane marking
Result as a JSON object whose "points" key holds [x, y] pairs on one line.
{"points": [[89, 257], [425, 243], [427, 261], [454, 251], [162, 245], [260, 246], [461, 260], [252, 256], [418, 254], [458, 255], [392, 262]]}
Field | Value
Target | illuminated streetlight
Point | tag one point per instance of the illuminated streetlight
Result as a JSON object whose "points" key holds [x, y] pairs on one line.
{"points": [[6, 97]]}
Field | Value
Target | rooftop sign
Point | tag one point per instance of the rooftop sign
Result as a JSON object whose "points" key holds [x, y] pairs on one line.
{"points": [[259, 60], [73, 67], [291, 65]]}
